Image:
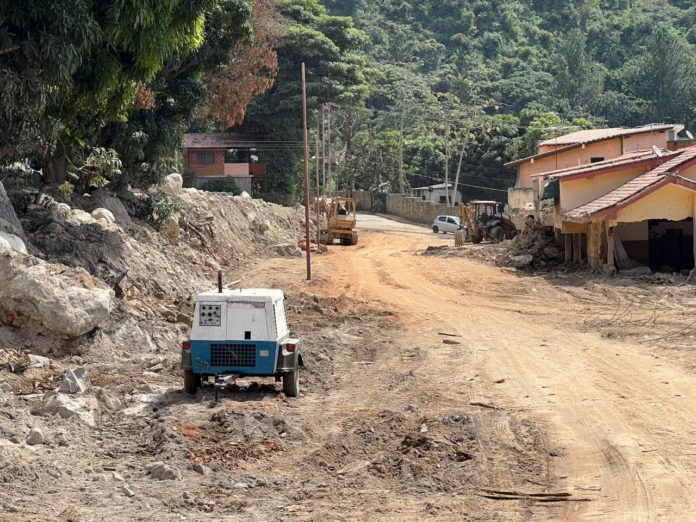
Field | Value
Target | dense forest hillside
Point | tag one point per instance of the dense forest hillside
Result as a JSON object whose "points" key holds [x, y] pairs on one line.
{"points": [[519, 70], [454, 88]]}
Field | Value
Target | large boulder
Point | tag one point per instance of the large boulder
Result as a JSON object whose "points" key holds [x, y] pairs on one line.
{"points": [[8, 218], [103, 199], [62, 300], [10, 241], [98, 249], [103, 214], [172, 184]]}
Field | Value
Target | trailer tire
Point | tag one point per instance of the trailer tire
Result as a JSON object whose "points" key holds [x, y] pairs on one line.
{"points": [[291, 383], [191, 382]]}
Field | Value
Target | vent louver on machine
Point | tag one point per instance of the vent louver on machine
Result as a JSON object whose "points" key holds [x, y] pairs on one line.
{"points": [[234, 355]]}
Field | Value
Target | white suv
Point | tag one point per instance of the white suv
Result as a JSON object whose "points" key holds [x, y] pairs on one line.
{"points": [[446, 224]]}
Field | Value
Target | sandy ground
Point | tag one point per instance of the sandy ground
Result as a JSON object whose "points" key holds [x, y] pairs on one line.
{"points": [[555, 383], [619, 414]]}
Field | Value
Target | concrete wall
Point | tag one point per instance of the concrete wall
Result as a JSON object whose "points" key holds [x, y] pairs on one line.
{"points": [[607, 149], [646, 141], [363, 199], [416, 210], [436, 194], [669, 202], [577, 192]]}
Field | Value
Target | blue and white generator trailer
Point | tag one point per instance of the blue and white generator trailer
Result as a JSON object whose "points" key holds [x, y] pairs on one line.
{"points": [[241, 333]]}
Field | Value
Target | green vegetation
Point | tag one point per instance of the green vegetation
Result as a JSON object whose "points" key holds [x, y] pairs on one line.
{"points": [[100, 92]]}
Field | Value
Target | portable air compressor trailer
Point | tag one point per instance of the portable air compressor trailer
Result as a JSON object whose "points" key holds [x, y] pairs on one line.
{"points": [[241, 333]]}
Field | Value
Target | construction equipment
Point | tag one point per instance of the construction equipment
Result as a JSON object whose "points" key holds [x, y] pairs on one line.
{"points": [[341, 221], [240, 333], [485, 220]]}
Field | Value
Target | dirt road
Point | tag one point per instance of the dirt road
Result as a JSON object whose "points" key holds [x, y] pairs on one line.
{"points": [[617, 417]]}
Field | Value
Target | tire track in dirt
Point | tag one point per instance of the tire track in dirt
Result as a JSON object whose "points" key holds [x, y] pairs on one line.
{"points": [[602, 414]]}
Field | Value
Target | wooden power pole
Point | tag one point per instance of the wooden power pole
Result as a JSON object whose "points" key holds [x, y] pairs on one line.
{"points": [[308, 239]]}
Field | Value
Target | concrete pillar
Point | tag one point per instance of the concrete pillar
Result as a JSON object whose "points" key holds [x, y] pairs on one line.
{"points": [[610, 250], [577, 245], [568, 247], [594, 245]]}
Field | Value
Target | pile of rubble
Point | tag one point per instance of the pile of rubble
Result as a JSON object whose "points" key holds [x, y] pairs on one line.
{"points": [[534, 247]]}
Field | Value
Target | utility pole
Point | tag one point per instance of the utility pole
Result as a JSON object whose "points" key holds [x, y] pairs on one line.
{"points": [[306, 174], [328, 124], [323, 148], [401, 149], [317, 180]]}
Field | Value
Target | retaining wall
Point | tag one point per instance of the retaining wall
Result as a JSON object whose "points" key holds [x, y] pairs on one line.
{"points": [[417, 210]]}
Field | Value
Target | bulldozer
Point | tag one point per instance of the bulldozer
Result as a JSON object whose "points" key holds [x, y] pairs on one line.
{"points": [[341, 221], [484, 220]]}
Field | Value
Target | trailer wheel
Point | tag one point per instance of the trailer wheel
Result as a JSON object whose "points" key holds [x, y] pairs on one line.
{"points": [[291, 383], [191, 382]]}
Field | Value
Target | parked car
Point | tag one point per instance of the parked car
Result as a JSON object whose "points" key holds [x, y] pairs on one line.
{"points": [[446, 224]]}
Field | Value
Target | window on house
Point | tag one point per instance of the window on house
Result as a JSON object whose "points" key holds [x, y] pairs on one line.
{"points": [[596, 159], [205, 158], [443, 199]]}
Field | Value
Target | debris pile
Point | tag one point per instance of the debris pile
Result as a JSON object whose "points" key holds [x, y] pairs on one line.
{"points": [[534, 247]]}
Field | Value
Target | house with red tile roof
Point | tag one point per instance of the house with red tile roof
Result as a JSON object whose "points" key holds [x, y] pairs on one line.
{"points": [[637, 207], [581, 148]]}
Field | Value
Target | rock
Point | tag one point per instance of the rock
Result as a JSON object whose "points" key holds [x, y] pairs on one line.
{"points": [[10, 241], [202, 469], [14, 439], [245, 195], [39, 361], [288, 249], [79, 217], [63, 209], [522, 261], [172, 184], [103, 214], [161, 471], [102, 198], [57, 403], [60, 299], [109, 400], [117, 477], [75, 381], [211, 263], [8, 218], [171, 229], [35, 437], [127, 491], [5, 387]]}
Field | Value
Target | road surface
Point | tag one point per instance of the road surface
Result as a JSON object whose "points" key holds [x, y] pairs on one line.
{"points": [[617, 420]]}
